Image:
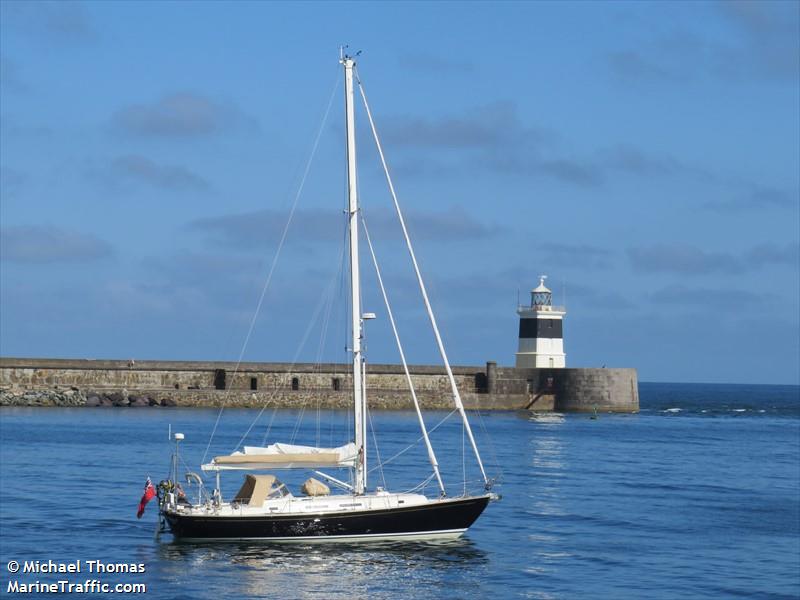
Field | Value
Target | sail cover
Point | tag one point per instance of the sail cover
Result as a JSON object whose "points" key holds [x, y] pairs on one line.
{"points": [[285, 456]]}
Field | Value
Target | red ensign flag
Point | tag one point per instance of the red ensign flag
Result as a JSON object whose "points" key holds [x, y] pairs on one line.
{"points": [[149, 494]]}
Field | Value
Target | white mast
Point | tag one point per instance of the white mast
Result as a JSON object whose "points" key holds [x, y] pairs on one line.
{"points": [[359, 402]]}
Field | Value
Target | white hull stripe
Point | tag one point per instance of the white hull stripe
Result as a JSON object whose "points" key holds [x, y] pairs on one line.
{"points": [[367, 537]]}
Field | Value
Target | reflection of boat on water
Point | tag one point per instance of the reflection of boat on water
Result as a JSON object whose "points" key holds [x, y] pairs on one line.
{"points": [[353, 570], [265, 509]]}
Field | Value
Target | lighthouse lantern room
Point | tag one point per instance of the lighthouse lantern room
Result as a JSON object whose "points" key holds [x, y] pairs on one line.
{"points": [[541, 337]]}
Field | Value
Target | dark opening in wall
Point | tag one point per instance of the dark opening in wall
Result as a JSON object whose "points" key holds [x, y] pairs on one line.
{"points": [[481, 383], [295, 383], [337, 384], [254, 383], [219, 379]]}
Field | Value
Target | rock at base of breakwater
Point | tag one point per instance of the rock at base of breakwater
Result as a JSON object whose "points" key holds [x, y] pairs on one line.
{"points": [[69, 397]]}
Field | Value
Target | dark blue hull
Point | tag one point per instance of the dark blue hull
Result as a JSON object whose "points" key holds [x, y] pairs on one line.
{"points": [[443, 518]]}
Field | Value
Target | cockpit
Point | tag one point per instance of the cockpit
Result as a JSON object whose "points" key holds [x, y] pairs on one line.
{"points": [[257, 489]]}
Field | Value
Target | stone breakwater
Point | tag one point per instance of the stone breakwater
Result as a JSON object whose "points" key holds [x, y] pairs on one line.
{"points": [[134, 383], [338, 400]]}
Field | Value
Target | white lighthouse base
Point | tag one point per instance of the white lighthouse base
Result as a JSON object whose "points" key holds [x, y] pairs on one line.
{"points": [[533, 360]]}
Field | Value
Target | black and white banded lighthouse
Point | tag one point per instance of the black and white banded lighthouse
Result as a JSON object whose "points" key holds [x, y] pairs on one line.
{"points": [[541, 336]]}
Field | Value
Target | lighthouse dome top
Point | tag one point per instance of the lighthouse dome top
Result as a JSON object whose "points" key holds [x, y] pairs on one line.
{"points": [[541, 288], [541, 305], [540, 295]]}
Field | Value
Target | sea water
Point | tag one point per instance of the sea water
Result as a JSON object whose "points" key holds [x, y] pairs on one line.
{"points": [[697, 496]]}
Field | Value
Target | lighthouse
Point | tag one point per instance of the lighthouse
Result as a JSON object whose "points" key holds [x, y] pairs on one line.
{"points": [[541, 334]]}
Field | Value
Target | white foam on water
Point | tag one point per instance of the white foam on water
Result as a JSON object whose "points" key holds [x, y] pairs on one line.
{"points": [[739, 410], [673, 410]]}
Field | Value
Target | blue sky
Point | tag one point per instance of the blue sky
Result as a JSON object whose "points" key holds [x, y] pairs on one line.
{"points": [[645, 156]]}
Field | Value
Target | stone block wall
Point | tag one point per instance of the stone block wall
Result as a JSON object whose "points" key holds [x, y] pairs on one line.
{"points": [[573, 390], [329, 386], [583, 390], [177, 375]]}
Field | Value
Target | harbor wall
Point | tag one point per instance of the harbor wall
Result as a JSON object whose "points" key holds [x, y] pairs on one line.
{"points": [[65, 382]]}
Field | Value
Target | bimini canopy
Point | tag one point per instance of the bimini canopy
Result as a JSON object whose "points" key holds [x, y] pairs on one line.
{"points": [[285, 456]]}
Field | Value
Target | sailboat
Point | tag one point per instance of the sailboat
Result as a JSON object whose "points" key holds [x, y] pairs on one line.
{"points": [[264, 509]]}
